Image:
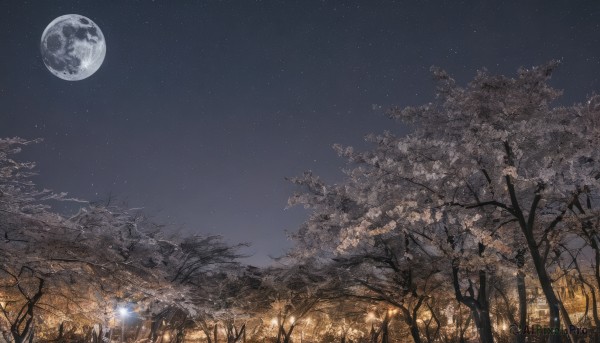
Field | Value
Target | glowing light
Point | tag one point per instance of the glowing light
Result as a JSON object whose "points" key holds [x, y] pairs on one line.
{"points": [[274, 321], [371, 316], [123, 312], [292, 320]]}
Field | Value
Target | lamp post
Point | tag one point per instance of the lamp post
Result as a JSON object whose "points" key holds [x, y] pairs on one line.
{"points": [[123, 313]]}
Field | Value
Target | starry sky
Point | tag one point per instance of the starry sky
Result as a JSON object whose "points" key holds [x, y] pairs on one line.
{"points": [[202, 108]]}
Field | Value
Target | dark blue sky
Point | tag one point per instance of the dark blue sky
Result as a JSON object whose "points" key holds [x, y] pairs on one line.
{"points": [[201, 108]]}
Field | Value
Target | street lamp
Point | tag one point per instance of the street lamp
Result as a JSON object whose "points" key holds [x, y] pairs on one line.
{"points": [[123, 313]]}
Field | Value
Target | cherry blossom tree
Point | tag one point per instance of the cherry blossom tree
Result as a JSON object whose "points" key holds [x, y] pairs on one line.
{"points": [[397, 267], [505, 155], [56, 268], [493, 171]]}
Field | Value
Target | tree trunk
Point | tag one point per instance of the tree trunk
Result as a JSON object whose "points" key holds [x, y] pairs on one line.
{"points": [[485, 327], [233, 335], [154, 326], [414, 332], [479, 306], [463, 329], [207, 330], [288, 336], [597, 276], [374, 334], [61, 330], [567, 321], [411, 320], [438, 325], [22, 327], [594, 307], [527, 226], [384, 329], [522, 305], [97, 333], [593, 241], [545, 282]]}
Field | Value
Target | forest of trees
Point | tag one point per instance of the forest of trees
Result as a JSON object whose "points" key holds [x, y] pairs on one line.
{"points": [[479, 224]]}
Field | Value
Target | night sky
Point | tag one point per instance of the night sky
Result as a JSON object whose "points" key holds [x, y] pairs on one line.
{"points": [[202, 108]]}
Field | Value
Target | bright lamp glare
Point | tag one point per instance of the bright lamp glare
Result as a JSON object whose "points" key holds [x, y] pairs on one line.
{"points": [[123, 311]]}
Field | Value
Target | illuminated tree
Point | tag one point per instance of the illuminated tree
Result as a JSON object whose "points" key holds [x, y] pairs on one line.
{"points": [[218, 287], [385, 264], [294, 290], [492, 171], [55, 268], [497, 152]]}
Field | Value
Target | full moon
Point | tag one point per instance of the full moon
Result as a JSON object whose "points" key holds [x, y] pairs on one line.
{"points": [[73, 47]]}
